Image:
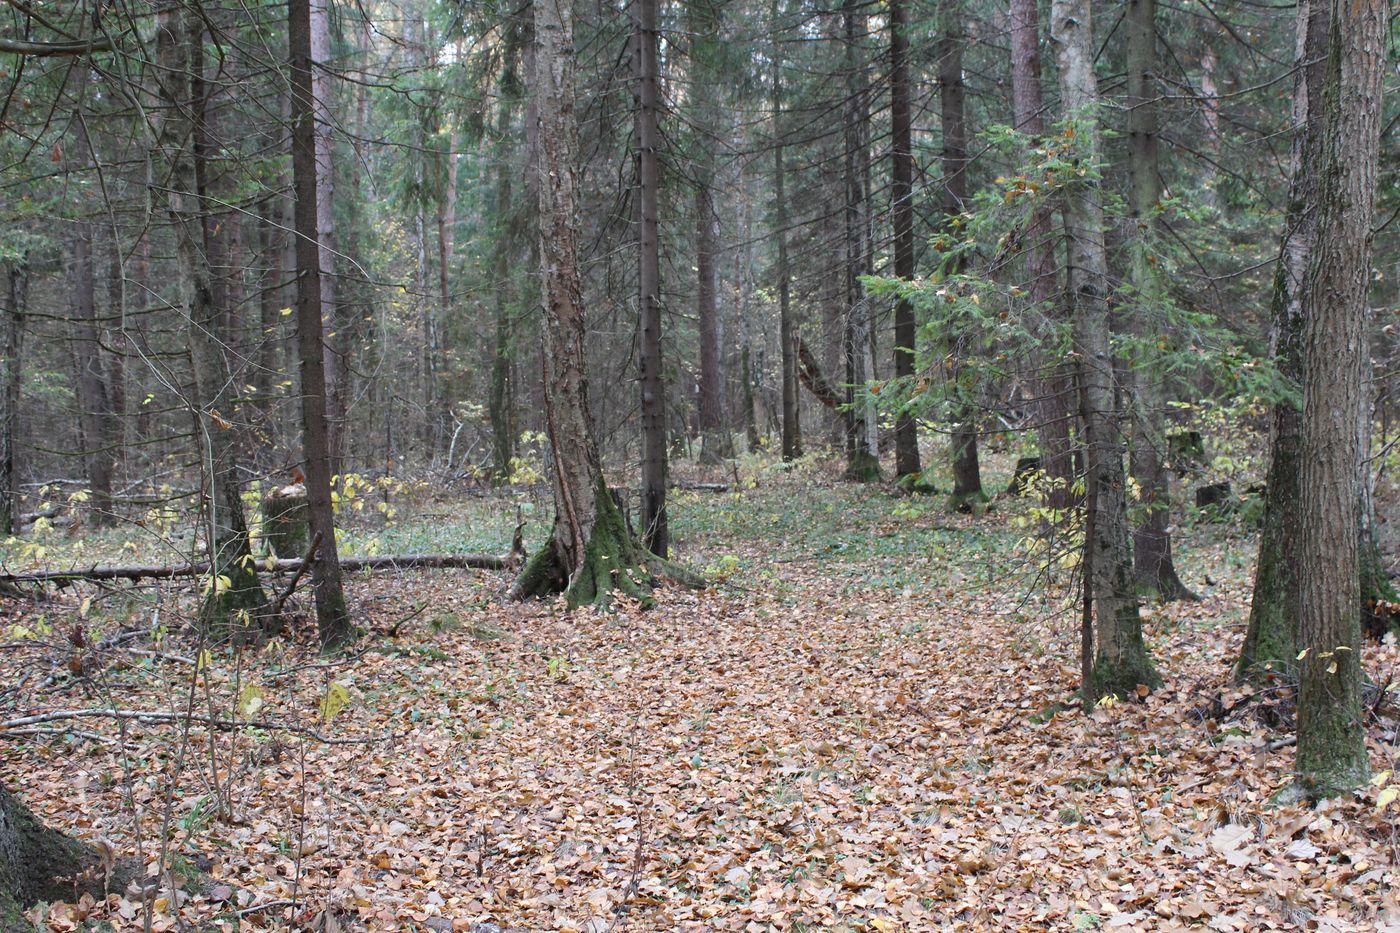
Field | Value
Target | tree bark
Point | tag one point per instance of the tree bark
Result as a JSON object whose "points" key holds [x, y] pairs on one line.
{"points": [[787, 329], [952, 99], [1054, 389], [655, 529], [11, 391], [906, 433], [1121, 662], [1152, 540], [590, 553], [1331, 752], [91, 383], [862, 460], [235, 605], [1271, 641], [332, 618], [38, 863]]}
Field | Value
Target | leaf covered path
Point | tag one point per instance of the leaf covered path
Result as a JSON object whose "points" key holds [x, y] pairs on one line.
{"points": [[855, 731]]}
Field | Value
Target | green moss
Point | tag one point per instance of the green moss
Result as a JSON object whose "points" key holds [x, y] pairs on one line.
{"points": [[863, 467], [1120, 677], [236, 608]]}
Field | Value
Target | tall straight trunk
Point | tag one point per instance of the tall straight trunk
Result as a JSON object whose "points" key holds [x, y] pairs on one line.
{"points": [[332, 618], [1152, 540], [590, 553], [1210, 120], [332, 326], [1120, 662], [272, 250], [952, 101], [235, 605], [716, 443], [656, 532], [1054, 389], [500, 402], [440, 414], [862, 461], [1331, 752], [787, 329], [906, 432], [1271, 641], [115, 337], [11, 386], [94, 417]]}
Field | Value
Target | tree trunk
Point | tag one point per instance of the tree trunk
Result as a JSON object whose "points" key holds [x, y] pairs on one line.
{"points": [[91, 382], [952, 96], [787, 329], [11, 386], [1152, 541], [1053, 386], [42, 864], [322, 127], [862, 462], [906, 433], [1271, 642], [500, 402], [590, 553], [1121, 662], [332, 618], [1331, 752], [235, 605], [655, 529]]}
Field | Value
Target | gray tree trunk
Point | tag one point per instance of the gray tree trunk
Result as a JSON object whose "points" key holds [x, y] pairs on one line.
{"points": [[1120, 661], [1331, 752], [1271, 641], [1152, 540], [906, 433]]}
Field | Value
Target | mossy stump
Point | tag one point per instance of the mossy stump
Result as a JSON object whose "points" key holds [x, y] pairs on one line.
{"points": [[863, 467], [287, 521]]}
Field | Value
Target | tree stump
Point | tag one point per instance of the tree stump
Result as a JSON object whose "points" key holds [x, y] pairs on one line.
{"points": [[287, 521]]}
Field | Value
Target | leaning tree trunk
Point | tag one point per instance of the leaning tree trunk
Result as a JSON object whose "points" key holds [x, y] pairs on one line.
{"points": [[38, 863], [590, 553], [1120, 661], [332, 618], [1152, 540], [1331, 752]]}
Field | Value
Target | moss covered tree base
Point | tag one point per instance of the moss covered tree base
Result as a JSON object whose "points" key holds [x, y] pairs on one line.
{"points": [[1121, 677], [613, 562], [235, 607], [41, 864], [863, 468]]}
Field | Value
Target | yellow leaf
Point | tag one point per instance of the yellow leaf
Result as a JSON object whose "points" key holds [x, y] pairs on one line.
{"points": [[1302, 654], [334, 701], [250, 701], [286, 311], [1332, 668], [1384, 798], [1380, 779], [85, 608], [204, 660]]}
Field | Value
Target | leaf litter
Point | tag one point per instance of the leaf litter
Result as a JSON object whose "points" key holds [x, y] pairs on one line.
{"points": [[867, 724]]}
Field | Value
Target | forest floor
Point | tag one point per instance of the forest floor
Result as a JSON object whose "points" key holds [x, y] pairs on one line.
{"points": [[857, 728]]}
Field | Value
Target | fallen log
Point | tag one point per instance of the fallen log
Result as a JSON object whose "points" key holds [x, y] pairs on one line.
{"points": [[283, 565]]}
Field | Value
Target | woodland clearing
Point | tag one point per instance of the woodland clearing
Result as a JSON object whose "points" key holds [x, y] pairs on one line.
{"points": [[866, 722]]}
